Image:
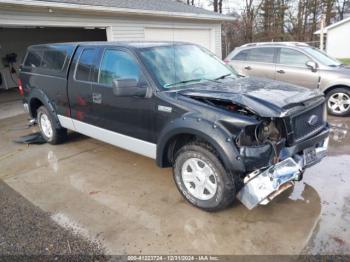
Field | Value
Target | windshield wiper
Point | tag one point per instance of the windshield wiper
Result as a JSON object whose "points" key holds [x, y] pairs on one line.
{"points": [[188, 81], [222, 77]]}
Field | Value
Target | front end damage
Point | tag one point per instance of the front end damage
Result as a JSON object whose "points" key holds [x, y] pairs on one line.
{"points": [[261, 186], [275, 149], [275, 159]]}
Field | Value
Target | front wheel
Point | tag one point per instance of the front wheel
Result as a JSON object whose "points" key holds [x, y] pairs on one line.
{"points": [[338, 102], [202, 179]]}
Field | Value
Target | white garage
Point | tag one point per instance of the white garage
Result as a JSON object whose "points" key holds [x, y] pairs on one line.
{"points": [[199, 36], [27, 22]]}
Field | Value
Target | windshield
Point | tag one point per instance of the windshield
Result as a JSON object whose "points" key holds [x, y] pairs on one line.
{"points": [[322, 57], [180, 65]]}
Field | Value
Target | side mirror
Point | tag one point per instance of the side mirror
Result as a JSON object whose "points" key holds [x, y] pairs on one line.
{"points": [[128, 87], [312, 65]]}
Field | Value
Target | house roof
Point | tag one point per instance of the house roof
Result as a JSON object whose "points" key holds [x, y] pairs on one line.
{"points": [[172, 8], [325, 30], [154, 5]]}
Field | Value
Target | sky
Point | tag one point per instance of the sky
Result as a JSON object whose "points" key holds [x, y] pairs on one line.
{"points": [[229, 5]]}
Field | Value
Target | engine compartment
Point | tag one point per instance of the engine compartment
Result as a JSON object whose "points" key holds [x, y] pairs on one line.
{"points": [[259, 144]]}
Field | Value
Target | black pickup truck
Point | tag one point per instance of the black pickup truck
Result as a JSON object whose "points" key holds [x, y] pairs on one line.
{"points": [[225, 136]]}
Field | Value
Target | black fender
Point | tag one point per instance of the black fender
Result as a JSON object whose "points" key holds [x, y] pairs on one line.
{"points": [[38, 94], [213, 133]]}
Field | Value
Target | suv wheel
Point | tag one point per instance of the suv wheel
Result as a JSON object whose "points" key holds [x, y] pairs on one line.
{"points": [[202, 179], [51, 134], [338, 102]]}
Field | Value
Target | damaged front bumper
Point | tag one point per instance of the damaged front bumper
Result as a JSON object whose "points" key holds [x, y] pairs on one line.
{"points": [[260, 187]]}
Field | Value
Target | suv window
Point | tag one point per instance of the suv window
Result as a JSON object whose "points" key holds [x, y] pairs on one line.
{"points": [[117, 64], [261, 54], [85, 62], [33, 58], [242, 56], [54, 59], [292, 57]]}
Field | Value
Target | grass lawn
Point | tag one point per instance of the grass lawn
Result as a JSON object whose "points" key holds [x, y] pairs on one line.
{"points": [[345, 61]]}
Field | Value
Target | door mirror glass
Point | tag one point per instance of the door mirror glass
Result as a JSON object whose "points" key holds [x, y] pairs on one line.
{"points": [[312, 65], [128, 87]]}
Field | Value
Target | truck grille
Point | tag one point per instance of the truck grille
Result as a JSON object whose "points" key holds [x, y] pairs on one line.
{"points": [[308, 123]]}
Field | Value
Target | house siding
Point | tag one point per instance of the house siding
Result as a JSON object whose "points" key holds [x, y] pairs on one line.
{"points": [[119, 28], [338, 39]]}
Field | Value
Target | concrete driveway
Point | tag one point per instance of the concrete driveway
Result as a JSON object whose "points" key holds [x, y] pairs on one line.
{"points": [[128, 205]]}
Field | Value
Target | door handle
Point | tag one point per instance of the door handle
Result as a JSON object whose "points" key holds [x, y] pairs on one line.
{"points": [[247, 68], [281, 71], [97, 98]]}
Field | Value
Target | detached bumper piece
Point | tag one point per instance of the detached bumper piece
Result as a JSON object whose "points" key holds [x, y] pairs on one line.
{"points": [[263, 186]]}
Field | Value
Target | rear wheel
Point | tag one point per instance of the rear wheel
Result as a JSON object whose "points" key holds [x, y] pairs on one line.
{"points": [[47, 128], [202, 179], [338, 102]]}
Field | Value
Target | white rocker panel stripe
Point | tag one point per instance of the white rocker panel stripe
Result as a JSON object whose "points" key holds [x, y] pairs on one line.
{"points": [[126, 142]]}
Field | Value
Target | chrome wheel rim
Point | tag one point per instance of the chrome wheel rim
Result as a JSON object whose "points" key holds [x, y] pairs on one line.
{"points": [[339, 103], [199, 178], [45, 125]]}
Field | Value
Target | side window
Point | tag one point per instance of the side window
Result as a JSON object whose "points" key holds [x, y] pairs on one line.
{"points": [[261, 54], [117, 65], [54, 59], [85, 62], [33, 58], [292, 57], [241, 56]]}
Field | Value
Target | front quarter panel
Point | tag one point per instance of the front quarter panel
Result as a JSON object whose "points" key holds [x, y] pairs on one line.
{"points": [[216, 136], [332, 79]]}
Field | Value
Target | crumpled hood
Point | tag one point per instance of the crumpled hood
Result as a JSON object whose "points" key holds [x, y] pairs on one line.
{"points": [[264, 97]]}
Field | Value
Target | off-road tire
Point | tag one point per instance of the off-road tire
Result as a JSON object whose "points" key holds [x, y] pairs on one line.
{"points": [[59, 135], [226, 190]]}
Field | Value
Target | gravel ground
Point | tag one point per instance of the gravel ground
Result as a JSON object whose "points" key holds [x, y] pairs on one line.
{"points": [[25, 230]]}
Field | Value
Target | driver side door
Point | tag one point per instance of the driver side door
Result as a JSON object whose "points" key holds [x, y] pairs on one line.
{"points": [[131, 116]]}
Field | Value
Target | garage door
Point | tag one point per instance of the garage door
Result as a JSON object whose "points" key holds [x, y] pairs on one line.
{"points": [[197, 36], [14, 42]]}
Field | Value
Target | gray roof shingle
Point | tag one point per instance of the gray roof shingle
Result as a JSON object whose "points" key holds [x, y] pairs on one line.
{"points": [[150, 5]]}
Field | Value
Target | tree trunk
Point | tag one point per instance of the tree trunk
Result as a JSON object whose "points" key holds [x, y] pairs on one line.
{"points": [[215, 5], [328, 6], [220, 6]]}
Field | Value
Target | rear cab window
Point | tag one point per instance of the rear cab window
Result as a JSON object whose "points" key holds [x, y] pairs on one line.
{"points": [[54, 59], [33, 58], [48, 59]]}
